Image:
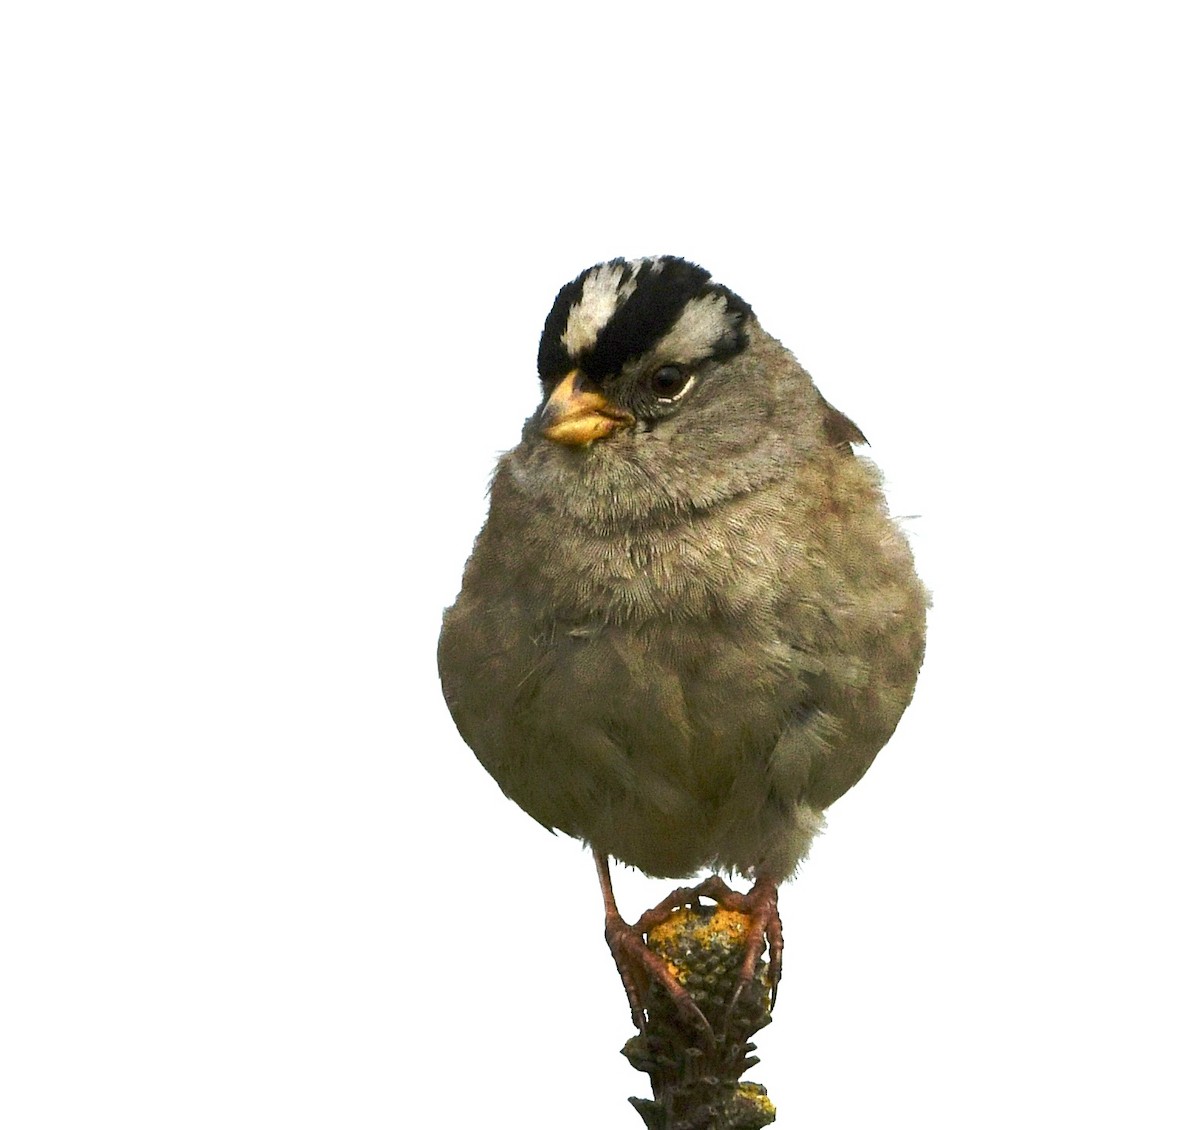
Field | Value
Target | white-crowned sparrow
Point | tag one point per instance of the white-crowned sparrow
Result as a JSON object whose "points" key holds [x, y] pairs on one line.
{"points": [[688, 624]]}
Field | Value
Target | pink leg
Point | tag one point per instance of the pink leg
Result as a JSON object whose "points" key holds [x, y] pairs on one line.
{"points": [[636, 961]]}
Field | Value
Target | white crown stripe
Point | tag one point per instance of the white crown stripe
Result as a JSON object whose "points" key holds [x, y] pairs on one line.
{"points": [[602, 293], [701, 324]]}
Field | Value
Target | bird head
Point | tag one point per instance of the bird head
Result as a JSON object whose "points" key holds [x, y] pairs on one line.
{"points": [[627, 344], [662, 393]]}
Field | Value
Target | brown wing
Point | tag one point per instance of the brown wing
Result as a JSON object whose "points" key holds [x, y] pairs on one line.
{"points": [[840, 430]]}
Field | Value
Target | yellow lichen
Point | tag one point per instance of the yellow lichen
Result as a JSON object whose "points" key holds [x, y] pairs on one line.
{"points": [[720, 922], [686, 930], [753, 1093]]}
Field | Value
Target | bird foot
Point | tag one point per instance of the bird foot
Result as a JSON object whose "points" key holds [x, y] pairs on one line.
{"points": [[764, 932], [637, 963]]}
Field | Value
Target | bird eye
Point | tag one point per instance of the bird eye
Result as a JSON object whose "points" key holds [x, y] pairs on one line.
{"points": [[669, 383]]}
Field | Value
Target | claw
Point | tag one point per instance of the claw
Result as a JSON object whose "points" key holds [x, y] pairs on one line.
{"points": [[761, 905], [637, 962]]}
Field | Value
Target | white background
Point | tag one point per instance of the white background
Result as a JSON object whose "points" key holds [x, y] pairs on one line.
{"points": [[273, 280]]}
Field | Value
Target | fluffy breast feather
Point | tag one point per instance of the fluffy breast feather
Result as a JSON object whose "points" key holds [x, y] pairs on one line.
{"points": [[682, 695]]}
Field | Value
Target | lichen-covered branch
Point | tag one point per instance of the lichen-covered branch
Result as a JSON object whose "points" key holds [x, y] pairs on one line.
{"points": [[696, 1074]]}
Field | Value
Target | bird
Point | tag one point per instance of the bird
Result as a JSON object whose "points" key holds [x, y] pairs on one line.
{"points": [[689, 622]]}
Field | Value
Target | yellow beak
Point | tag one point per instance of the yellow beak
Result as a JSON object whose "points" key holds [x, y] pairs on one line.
{"points": [[577, 415]]}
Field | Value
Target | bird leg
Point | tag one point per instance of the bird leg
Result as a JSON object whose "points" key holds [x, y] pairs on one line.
{"points": [[636, 961]]}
